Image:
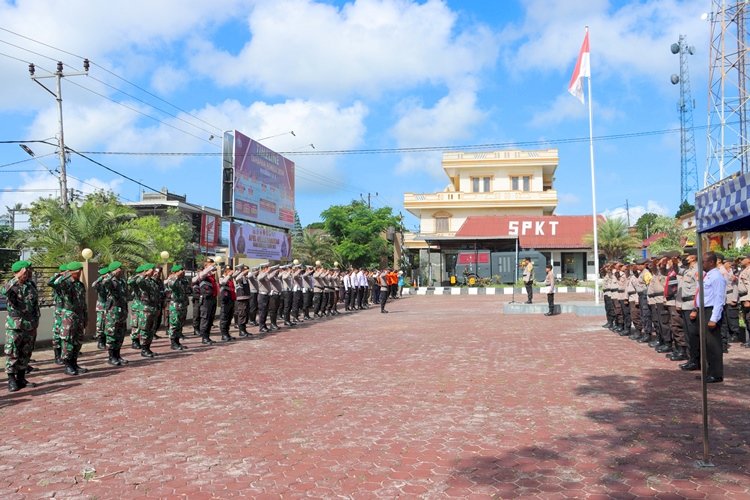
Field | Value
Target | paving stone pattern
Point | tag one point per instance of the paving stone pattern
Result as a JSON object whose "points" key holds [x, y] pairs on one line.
{"points": [[442, 398]]}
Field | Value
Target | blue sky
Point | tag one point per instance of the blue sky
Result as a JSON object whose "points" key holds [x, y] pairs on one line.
{"points": [[362, 75]]}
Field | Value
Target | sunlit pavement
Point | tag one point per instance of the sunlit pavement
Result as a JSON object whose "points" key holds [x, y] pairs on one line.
{"points": [[442, 397]]}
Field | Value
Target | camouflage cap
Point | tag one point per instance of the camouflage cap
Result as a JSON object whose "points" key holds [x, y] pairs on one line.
{"points": [[73, 266], [21, 264]]}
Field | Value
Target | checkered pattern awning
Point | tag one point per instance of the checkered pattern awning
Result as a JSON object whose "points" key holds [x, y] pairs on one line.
{"points": [[724, 206]]}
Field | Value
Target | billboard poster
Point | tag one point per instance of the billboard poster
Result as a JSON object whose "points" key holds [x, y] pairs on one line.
{"points": [[259, 242], [263, 184], [210, 229]]}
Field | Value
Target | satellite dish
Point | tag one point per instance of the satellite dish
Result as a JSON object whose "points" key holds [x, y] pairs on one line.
{"points": [[675, 79], [675, 48]]}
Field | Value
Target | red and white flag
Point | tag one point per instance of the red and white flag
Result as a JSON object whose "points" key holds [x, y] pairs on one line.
{"points": [[583, 69]]}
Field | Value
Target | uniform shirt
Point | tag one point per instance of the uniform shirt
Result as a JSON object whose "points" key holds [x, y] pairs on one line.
{"points": [[630, 287], [22, 304], [733, 292], [528, 273], [549, 280], [689, 287], [714, 286], [670, 282], [655, 291], [743, 284], [622, 284]]}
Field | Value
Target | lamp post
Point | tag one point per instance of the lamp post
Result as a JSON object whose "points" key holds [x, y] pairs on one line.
{"points": [[87, 253], [165, 261]]}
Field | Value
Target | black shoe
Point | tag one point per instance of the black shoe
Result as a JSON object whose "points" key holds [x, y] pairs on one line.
{"points": [[273, 327], [147, 353], [527, 302], [30, 369], [120, 360], [646, 337], [136, 345], [625, 333], [207, 341], [21, 379], [745, 344], [655, 343], [112, 360], [690, 366], [384, 311], [255, 323], [79, 369], [664, 348], [176, 346], [12, 383], [711, 379], [607, 325], [58, 356], [70, 368], [263, 329], [101, 345], [678, 355], [242, 334], [548, 314], [227, 338]]}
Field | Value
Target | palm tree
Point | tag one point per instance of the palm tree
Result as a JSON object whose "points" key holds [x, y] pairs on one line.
{"points": [[58, 234], [614, 239], [315, 244]]}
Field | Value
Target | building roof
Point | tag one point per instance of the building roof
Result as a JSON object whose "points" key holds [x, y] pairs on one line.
{"points": [[533, 231]]}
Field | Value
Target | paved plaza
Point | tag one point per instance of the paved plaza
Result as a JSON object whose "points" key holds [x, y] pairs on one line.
{"points": [[443, 397]]}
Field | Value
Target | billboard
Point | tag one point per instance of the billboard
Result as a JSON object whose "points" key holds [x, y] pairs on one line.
{"points": [[258, 183], [259, 242], [210, 231]]}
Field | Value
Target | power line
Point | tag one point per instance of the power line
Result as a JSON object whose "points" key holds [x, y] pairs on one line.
{"points": [[24, 161]]}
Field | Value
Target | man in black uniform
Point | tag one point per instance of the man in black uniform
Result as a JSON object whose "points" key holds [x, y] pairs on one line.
{"points": [[228, 296], [207, 306]]}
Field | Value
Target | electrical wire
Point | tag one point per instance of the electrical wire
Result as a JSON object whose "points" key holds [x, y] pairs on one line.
{"points": [[25, 160]]}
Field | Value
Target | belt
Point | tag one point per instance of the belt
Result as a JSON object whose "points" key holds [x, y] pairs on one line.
{"points": [[655, 294], [689, 297]]}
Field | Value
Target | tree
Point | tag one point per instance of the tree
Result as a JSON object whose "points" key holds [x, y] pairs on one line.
{"points": [[357, 230], [613, 238], [57, 234], [315, 245], [644, 223], [674, 235], [685, 208], [297, 228], [172, 233], [8, 252]]}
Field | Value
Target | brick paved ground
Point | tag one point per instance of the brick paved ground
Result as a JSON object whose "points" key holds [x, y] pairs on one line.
{"points": [[444, 397]]}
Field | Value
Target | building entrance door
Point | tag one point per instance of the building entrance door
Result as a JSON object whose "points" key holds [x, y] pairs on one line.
{"points": [[572, 265]]}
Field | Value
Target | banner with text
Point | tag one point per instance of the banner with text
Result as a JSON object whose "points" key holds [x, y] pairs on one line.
{"points": [[263, 184], [259, 242], [210, 231]]}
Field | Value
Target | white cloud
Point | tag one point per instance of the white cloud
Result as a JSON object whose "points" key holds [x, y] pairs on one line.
{"points": [[366, 47], [636, 211], [167, 79], [568, 198]]}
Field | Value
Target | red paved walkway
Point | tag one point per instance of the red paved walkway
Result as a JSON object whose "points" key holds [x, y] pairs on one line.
{"points": [[444, 397]]}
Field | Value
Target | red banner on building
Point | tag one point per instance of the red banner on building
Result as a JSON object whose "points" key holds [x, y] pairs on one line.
{"points": [[210, 230]]}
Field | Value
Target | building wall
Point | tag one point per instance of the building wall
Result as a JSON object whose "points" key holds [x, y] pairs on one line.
{"points": [[458, 216]]}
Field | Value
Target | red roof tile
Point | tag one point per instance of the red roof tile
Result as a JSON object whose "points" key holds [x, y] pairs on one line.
{"points": [[541, 231]]}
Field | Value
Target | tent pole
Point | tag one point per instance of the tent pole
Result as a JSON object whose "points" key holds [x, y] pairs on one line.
{"points": [[706, 462]]}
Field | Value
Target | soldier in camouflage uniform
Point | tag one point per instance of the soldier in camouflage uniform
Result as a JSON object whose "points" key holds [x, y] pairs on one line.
{"points": [[159, 315], [57, 324], [74, 316], [147, 296], [115, 312], [100, 300], [21, 324], [179, 290]]}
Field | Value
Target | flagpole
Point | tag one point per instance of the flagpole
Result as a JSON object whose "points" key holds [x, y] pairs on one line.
{"points": [[593, 192]]}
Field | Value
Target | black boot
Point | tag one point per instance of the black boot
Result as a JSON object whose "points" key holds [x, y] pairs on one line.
{"points": [[226, 337], [646, 337], [136, 344], [12, 383], [70, 368], [263, 329], [21, 380], [120, 360], [101, 344], [679, 354], [146, 352], [176, 346], [79, 369], [664, 348], [58, 355], [243, 332], [112, 360], [207, 340], [273, 327], [608, 324]]}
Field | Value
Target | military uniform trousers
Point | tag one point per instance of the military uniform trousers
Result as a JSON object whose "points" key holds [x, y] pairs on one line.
{"points": [[676, 327], [609, 310], [19, 344], [286, 305], [176, 320], [645, 313], [666, 329], [115, 327], [625, 307], [71, 336], [196, 315], [57, 328], [296, 303], [100, 321], [263, 303], [242, 312], [617, 305], [274, 301], [655, 323], [730, 322], [635, 311], [252, 308], [317, 301], [307, 300], [145, 324], [225, 316], [691, 334]]}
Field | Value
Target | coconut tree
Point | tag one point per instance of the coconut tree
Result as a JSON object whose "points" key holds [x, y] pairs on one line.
{"points": [[614, 239], [315, 244]]}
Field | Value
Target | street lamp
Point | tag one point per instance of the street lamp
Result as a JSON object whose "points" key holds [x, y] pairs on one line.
{"points": [[164, 255], [87, 253]]}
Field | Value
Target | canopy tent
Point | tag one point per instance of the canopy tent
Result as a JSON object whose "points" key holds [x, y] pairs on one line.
{"points": [[721, 207]]}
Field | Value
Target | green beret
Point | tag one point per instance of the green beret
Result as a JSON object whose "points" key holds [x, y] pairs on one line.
{"points": [[63, 267], [176, 268], [139, 269], [148, 266], [21, 264], [103, 271], [74, 266], [114, 265]]}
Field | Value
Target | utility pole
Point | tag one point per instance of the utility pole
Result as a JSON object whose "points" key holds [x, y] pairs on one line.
{"points": [[369, 206], [58, 75], [688, 165], [627, 209]]}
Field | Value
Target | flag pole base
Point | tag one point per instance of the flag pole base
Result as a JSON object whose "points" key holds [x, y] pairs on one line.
{"points": [[702, 464]]}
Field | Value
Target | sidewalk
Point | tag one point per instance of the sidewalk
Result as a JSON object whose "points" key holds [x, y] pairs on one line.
{"points": [[443, 397]]}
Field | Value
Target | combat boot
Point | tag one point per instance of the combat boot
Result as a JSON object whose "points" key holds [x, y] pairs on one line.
{"points": [[136, 344], [207, 340], [607, 325], [12, 383], [635, 335], [79, 369], [58, 355], [70, 368], [101, 344], [273, 327], [225, 337], [664, 348], [147, 353], [626, 332], [680, 354], [120, 360], [176, 346], [243, 332], [263, 329], [646, 337], [21, 380], [112, 358]]}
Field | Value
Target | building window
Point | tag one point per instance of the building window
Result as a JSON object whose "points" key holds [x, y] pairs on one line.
{"points": [[486, 182], [441, 225], [520, 183], [475, 184]]}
